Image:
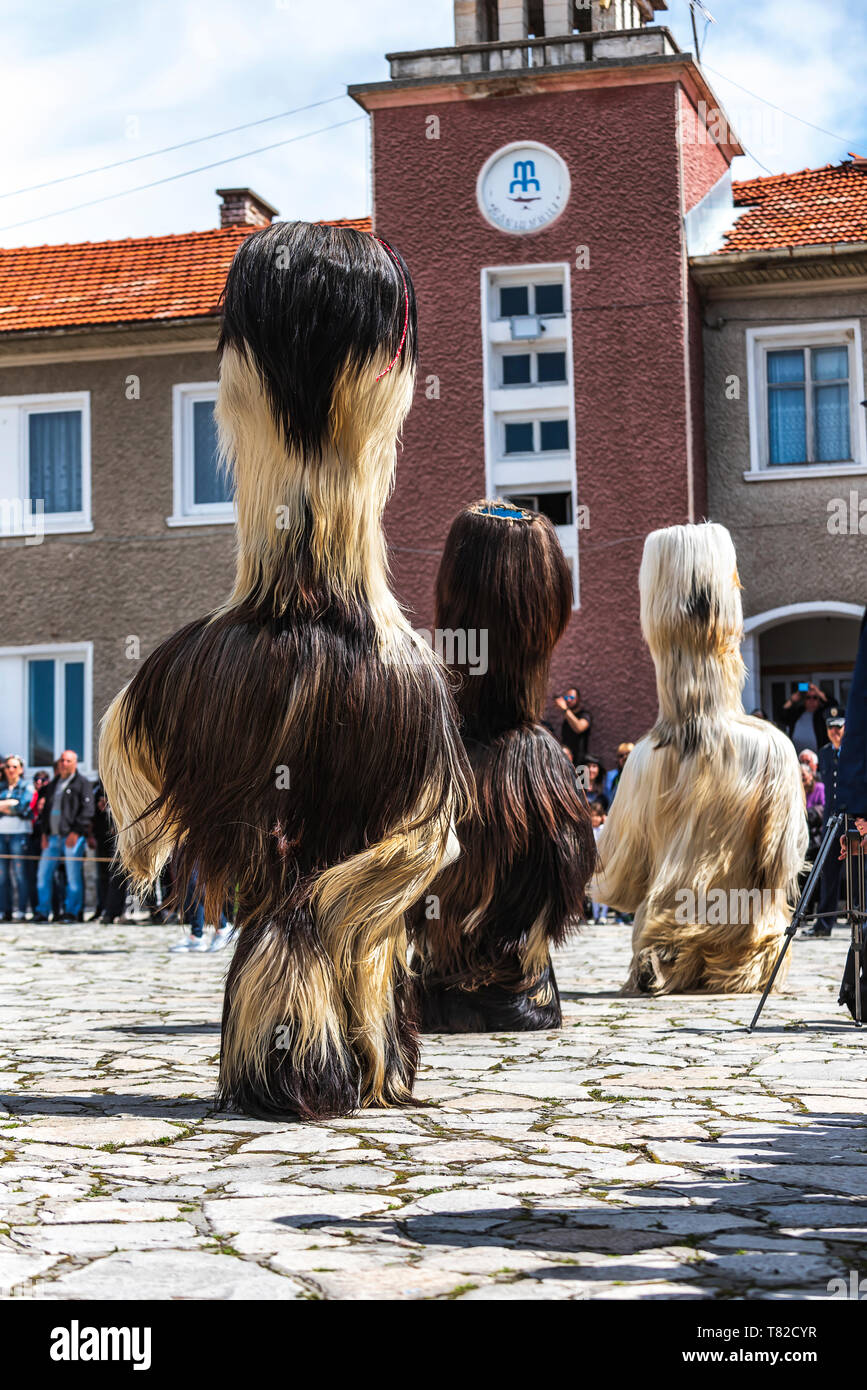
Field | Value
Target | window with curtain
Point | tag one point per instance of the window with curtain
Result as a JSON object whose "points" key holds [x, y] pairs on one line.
{"points": [[40, 736], [54, 457], [808, 405], [210, 485], [55, 709], [203, 494]]}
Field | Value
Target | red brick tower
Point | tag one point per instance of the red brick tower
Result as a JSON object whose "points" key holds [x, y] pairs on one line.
{"points": [[537, 176]]}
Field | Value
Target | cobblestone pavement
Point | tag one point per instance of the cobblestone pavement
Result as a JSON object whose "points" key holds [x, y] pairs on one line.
{"points": [[651, 1149]]}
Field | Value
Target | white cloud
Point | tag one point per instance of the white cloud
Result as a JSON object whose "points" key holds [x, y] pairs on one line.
{"points": [[803, 57], [74, 76]]}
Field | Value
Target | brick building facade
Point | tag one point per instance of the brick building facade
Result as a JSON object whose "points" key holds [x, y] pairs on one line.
{"points": [[614, 366]]}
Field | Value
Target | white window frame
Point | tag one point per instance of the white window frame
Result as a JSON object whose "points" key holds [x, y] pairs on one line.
{"points": [[537, 452], [527, 275], [51, 523], [550, 400], [532, 351], [186, 512], [759, 342], [59, 653]]}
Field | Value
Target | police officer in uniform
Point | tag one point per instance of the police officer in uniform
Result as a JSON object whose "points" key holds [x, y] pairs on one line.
{"points": [[829, 767]]}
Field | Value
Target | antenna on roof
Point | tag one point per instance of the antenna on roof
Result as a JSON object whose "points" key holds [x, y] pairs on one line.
{"points": [[708, 17]]}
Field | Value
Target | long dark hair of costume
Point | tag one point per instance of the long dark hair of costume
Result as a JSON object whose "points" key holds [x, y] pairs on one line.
{"points": [[483, 936]]}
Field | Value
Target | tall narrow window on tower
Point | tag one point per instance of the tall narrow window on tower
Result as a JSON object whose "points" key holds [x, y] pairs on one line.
{"points": [[582, 17], [536, 19], [529, 395], [489, 21]]}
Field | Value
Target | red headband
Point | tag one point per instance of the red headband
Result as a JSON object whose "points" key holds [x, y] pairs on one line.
{"points": [[405, 312]]}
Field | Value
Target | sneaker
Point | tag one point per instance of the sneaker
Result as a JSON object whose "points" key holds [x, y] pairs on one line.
{"points": [[221, 938], [38, 918], [191, 943]]}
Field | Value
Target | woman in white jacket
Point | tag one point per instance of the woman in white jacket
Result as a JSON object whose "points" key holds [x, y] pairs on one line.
{"points": [[16, 795]]}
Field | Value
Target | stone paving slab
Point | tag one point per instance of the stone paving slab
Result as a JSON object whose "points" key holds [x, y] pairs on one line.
{"points": [[650, 1149]]}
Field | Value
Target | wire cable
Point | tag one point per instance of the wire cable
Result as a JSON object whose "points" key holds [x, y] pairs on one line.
{"points": [[185, 174], [169, 149], [844, 140]]}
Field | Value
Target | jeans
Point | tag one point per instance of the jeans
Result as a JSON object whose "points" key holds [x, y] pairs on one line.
{"points": [[194, 909], [13, 870], [31, 865], [73, 857]]}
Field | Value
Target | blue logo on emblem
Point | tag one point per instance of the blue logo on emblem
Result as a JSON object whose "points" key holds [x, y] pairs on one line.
{"points": [[524, 178]]}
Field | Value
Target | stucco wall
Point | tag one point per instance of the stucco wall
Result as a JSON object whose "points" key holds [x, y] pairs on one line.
{"points": [[133, 574], [703, 161], [628, 347]]}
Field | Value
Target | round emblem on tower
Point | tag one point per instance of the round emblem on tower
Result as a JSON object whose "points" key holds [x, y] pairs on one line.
{"points": [[523, 187]]}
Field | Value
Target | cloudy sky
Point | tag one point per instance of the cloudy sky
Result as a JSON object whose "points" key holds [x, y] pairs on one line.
{"points": [[87, 83]]}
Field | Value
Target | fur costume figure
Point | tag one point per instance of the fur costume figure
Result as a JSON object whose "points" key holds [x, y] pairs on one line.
{"points": [[483, 963], [298, 747], [707, 833]]}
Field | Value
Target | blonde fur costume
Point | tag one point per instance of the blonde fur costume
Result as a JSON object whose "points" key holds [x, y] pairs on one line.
{"points": [[711, 798], [297, 748]]}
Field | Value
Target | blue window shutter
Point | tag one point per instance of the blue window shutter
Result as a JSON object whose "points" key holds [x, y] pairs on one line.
{"points": [[55, 459]]}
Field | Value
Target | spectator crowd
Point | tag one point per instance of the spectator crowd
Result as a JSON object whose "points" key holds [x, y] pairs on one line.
{"points": [[809, 718], [49, 821]]}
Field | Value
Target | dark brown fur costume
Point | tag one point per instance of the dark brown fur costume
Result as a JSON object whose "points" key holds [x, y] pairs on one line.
{"points": [[297, 748], [483, 964]]}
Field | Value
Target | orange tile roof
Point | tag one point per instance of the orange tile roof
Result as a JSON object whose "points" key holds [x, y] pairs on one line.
{"points": [[132, 281], [182, 276], [809, 208]]}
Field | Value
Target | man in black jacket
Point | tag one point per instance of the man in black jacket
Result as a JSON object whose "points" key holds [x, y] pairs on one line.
{"points": [[829, 771], [852, 785], [65, 824]]}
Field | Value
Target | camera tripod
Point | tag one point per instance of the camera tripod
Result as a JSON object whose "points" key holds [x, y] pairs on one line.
{"points": [[856, 915]]}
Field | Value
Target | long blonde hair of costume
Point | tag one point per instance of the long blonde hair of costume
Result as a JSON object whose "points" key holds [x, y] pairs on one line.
{"points": [[709, 803]]}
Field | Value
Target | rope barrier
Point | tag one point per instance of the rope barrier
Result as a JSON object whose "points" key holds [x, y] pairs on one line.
{"points": [[64, 858]]}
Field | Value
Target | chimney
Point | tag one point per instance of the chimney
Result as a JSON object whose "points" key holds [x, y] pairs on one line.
{"points": [[241, 207]]}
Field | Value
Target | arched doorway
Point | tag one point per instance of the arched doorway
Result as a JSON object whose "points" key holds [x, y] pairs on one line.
{"points": [[796, 644]]}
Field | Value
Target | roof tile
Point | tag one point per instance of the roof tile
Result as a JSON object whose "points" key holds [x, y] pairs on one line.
{"points": [[136, 280], [813, 207]]}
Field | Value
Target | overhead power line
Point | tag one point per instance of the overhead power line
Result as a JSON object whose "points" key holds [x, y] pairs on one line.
{"points": [[844, 140], [169, 149], [692, 5], [185, 174]]}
